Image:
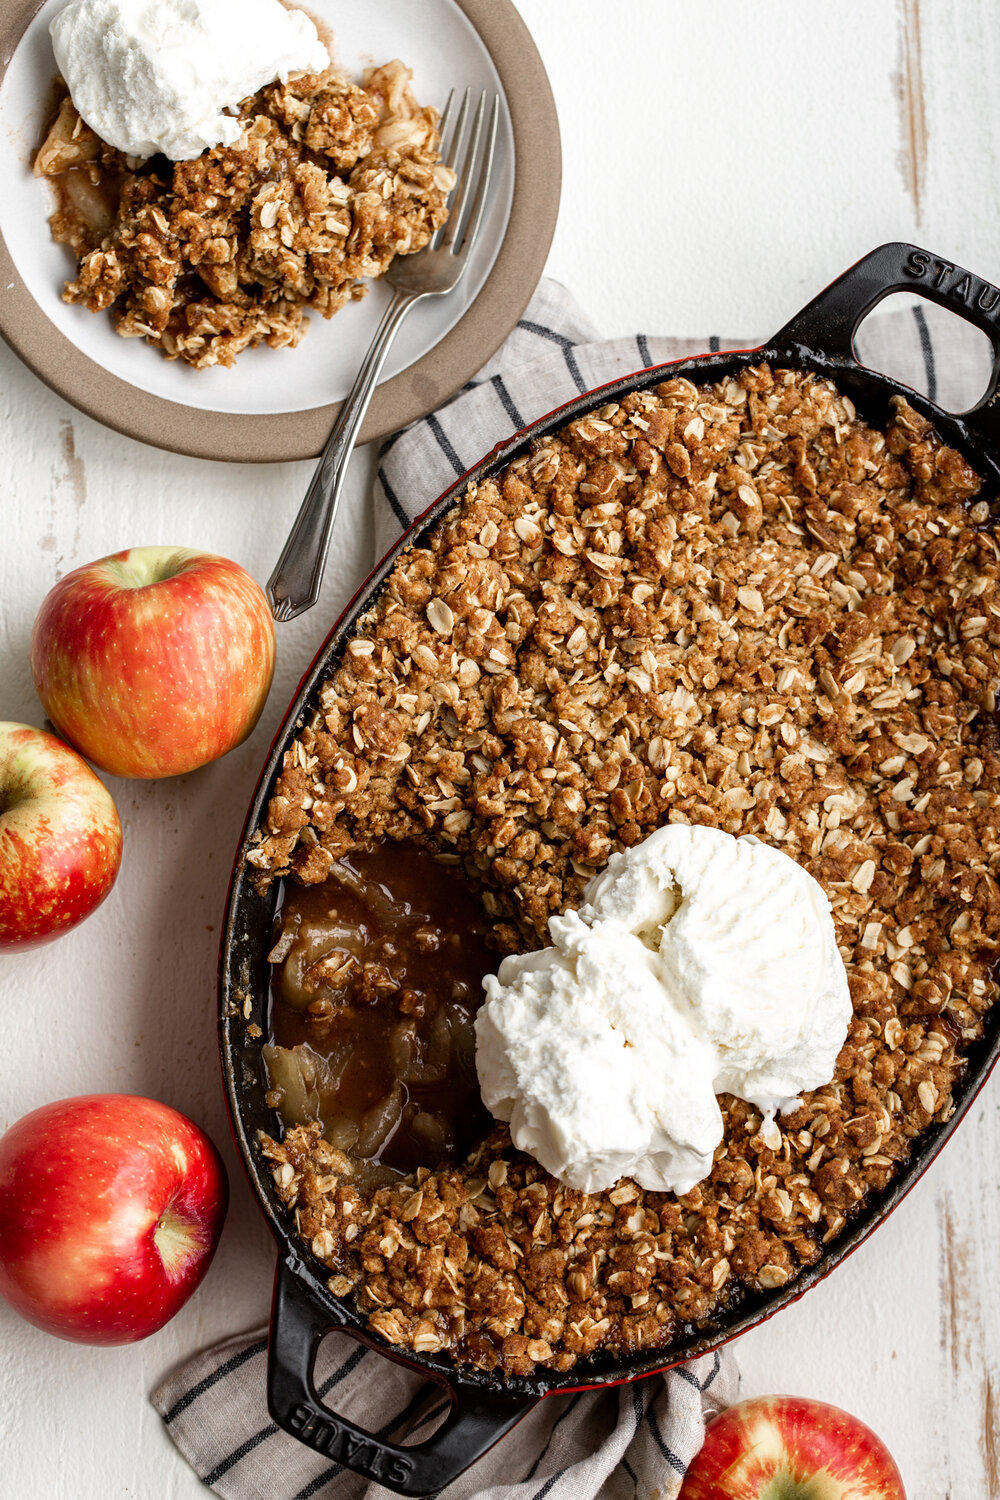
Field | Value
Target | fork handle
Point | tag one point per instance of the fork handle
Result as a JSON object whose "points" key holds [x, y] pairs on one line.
{"points": [[294, 585]]}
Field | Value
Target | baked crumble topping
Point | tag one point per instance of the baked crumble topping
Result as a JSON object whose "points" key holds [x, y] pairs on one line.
{"points": [[205, 258], [735, 605]]}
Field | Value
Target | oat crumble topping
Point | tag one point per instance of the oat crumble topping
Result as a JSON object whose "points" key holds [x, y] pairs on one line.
{"points": [[206, 258], [735, 605]]}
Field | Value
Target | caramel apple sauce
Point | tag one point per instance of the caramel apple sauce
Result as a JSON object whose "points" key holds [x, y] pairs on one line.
{"points": [[377, 975]]}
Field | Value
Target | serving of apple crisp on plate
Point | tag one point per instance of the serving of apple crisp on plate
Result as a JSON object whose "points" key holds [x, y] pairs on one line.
{"points": [[326, 183], [160, 230]]}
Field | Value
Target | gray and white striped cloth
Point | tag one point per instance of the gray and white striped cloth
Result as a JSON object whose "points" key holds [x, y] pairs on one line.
{"points": [[622, 1444], [631, 1441]]}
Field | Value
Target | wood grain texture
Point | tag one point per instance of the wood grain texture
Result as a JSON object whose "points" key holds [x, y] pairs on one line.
{"points": [[723, 161], [970, 1327], [913, 114]]}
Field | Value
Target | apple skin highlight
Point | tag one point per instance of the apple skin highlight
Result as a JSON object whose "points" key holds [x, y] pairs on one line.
{"points": [[60, 838], [154, 661], [111, 1208]]}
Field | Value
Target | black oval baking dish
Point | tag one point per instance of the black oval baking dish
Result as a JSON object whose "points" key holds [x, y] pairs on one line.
{"points": [[485, 1406]]}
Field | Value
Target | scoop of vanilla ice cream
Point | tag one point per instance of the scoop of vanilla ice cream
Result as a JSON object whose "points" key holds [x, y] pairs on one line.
{"points": [[154, 76], [598, 1078], [744, 939], [698, 963]]}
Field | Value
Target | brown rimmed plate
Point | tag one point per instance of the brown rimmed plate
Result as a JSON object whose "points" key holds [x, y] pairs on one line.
{"points": [[486, 1405], [277, 405]]}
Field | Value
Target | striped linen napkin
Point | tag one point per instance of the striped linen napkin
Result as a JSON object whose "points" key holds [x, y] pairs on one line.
{"points": [[631, 1441], [623, 1444]]}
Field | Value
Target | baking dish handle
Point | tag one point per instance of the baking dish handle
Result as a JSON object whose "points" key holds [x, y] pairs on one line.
{"points": [[477, 1419], [831, 320]]}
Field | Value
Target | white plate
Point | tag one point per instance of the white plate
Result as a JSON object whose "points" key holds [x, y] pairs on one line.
{"points": [[447, 43], [433, 38]]}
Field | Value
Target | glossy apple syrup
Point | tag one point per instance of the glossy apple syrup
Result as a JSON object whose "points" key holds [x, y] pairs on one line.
{"points": [[377, 977]]}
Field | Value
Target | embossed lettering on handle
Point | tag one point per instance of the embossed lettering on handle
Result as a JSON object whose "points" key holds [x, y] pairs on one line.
{"points": [[962, 289], [346, 1446], [477, 1420], [828, 324]]}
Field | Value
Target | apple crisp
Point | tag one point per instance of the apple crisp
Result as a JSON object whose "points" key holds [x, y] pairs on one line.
{"points": [[736, 605], [205, 258]]}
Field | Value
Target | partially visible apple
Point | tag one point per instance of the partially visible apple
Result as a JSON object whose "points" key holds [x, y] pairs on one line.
{"points": [[60, 838], [154, 661], [791, 1448], [111, 1207]]}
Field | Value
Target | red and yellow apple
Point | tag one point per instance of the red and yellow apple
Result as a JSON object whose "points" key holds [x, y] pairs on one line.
{"points": [[60, 838], [154, 661], [111, 1207], [791, 1448]]}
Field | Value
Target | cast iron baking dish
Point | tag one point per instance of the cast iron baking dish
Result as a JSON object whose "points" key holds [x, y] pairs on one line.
{"points": [[485, 1406]]}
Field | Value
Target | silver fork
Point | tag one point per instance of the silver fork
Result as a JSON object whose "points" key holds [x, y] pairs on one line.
{"points": [[295, 583]]}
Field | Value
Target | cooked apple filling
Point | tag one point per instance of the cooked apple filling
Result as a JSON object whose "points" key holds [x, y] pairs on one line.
{"points": [[378, 976]]}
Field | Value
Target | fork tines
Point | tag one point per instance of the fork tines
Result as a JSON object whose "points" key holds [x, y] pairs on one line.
{"points": [[470, 156]]}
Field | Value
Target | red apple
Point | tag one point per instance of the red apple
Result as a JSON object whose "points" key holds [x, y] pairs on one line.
{"points": [[111, 1207], [791, 1448], [154, 661], [60, 838]]}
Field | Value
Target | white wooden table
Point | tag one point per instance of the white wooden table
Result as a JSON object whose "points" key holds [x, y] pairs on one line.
{"points": [[722, 163]]}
